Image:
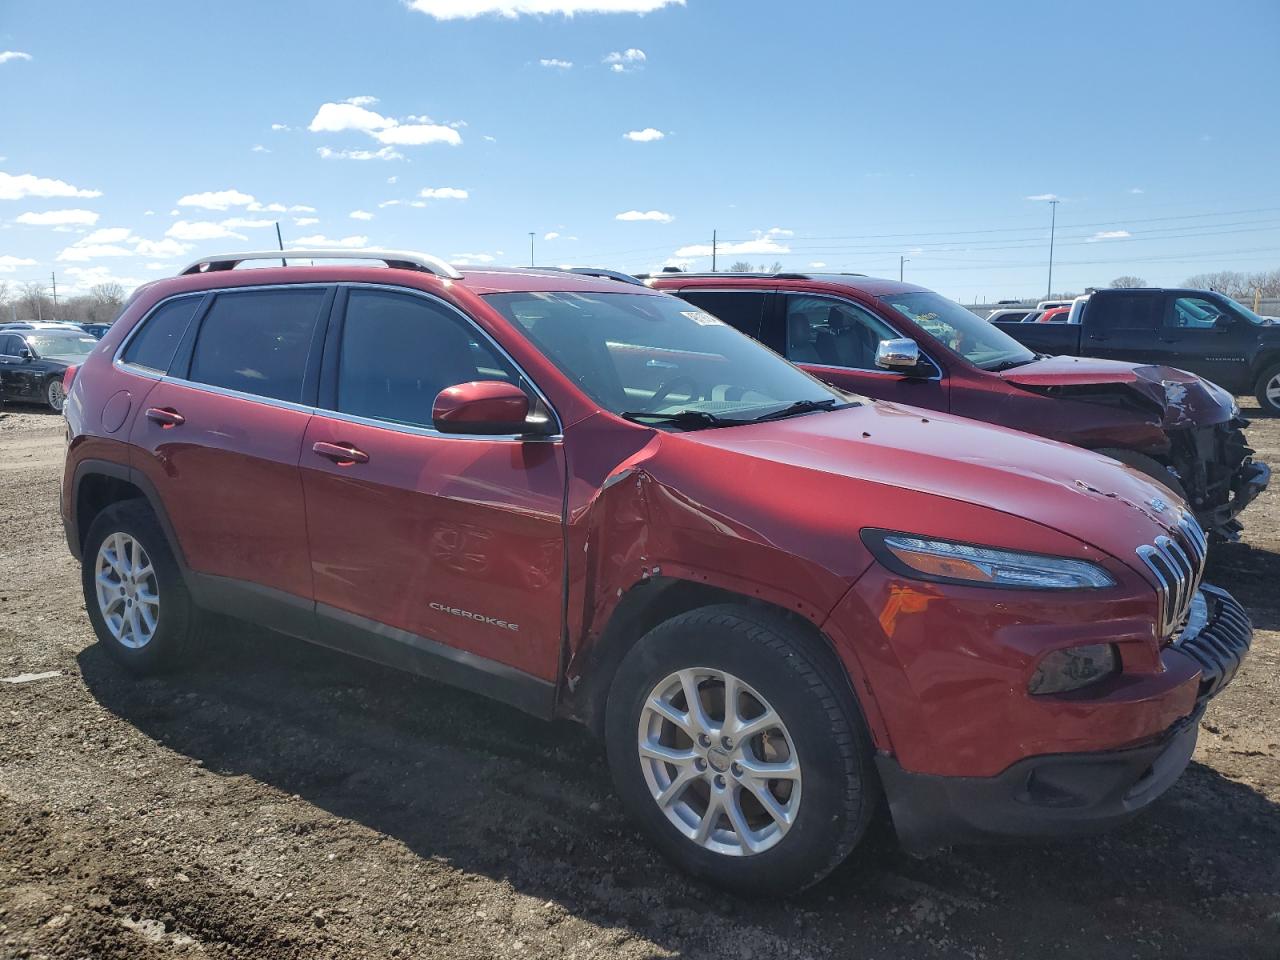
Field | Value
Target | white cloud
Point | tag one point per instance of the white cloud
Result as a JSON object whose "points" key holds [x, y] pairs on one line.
{"points": [[280, 126], [148, 213], [59, 218], [1044, 196], [305, 221], [556, 64], [817, 264], [336, 117], [1109, 235], [551, 236], [7, 55], [15, 187], [216, 200], [301, 208], [417, 203], [1136, 190], [160, 248], [119, 242], [418, 134], [443, 193], [625, 61], [83, 279], [644, 136], [655, 215], [389, 203], [259, 148], [465, 9], [463, 258], [360, 215], [247, 223], [81, 251], [764, 245], [392, 179], [361, 101], [201, 230], [319, 240], [106, 235], [257, 207], [489, 139], [9, 264], [775, 232], [386, 153]]}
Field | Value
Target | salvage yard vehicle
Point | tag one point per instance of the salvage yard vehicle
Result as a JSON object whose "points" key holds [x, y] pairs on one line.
{"points": [[33, 362], [778, 604], [1200, 331], [898, 341]]}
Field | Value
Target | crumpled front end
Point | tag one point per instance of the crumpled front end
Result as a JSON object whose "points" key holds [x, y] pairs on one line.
{"points": [[1205, 450]]}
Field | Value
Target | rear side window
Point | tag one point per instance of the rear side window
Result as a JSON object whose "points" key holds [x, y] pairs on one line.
{"points": [[742, 311], [154, 345], [258, 342], [399, 351], [1124, 312]]}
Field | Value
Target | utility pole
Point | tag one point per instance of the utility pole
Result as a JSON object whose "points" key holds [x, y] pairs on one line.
{"points": [[280, 243], [1053, 223], [531, 248], [901, 261], [53, 280], [713, 251]]}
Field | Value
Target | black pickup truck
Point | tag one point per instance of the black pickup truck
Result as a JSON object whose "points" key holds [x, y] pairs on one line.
{"points": [[1194, 330]]}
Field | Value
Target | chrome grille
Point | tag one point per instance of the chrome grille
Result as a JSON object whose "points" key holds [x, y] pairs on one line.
{"points": [[1178, 564]]}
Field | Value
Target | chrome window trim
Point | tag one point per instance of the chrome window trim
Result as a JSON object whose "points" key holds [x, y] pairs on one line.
{"points": [[853, 303], [404, 428]]}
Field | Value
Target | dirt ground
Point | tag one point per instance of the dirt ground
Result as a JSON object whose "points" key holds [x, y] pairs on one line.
{"points": [[281, 801]]}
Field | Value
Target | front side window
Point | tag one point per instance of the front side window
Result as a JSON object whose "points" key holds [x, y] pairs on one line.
{"points": [[257, 341], [837, 334], [642, 354], [1196, 313], [62, 346], [154, 345], [399, 351], [983, 345]]}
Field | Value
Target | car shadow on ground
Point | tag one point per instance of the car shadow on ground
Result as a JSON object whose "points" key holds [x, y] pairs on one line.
{"points": [[456, 777], [1253, 574]]}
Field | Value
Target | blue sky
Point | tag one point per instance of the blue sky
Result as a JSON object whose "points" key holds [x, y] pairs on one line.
{"points": [[137, 136]]}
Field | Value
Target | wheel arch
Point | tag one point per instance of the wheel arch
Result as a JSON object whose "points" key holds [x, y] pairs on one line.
{"points": [[100, 483], [659, 599]]}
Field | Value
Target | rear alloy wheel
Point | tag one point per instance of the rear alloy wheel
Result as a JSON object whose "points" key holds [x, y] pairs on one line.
{"points": [[1268, 390], [735, 743], [54, 395]]}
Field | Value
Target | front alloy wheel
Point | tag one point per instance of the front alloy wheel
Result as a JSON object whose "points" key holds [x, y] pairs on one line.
{"points": [[54, 395], [719, 762]]}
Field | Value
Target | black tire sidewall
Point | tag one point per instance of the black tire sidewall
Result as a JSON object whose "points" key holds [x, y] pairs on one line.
{"points": [[1260, 391], [831, 752], [168, 642], [48, 386]]}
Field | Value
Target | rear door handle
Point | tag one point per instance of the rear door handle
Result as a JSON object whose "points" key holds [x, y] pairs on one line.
{"points": [[341, 454], [166, 417]]}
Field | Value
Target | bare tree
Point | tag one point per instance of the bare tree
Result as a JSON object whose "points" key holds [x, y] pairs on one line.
{"points": [[1228, 282], [34, 300], [1120, 283], [106, 299], [6, 295], [741, 266]]}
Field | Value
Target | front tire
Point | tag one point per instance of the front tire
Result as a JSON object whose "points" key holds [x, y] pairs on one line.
{"points": [[737, 747], [1267, 390], [54, 395], [134, 590]]}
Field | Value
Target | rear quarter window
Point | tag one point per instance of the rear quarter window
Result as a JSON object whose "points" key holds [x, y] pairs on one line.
{"points": [[154, 345]]}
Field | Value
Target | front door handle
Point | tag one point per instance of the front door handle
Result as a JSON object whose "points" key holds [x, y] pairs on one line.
{"points": [[166, 416], [341, 454]]}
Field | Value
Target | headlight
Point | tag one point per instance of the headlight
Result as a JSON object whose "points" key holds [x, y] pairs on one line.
{"points": [[952, 562]]}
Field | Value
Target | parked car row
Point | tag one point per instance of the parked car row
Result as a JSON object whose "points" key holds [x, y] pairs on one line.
{"points": [[782, 605], [33, 360]]}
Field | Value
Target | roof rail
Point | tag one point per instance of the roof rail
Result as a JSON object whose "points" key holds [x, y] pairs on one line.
{"points": [[600, 273], [399, 259]]}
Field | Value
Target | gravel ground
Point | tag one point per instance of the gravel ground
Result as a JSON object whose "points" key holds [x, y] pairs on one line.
{"points": [[281, 801]]}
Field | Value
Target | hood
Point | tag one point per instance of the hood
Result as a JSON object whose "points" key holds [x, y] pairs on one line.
{"points": [[1088, 497], [1181, 398]]}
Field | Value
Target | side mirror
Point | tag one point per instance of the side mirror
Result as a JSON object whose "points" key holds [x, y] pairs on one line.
{"points": [[24, 353], [488, 407], [900, 354]]}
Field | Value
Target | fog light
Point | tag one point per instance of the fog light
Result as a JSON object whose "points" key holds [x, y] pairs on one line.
{"points": [[1074, 668]]}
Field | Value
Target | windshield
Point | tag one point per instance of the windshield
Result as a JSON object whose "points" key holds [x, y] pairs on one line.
{"points": [[638, 354], [952, 325], [62, 344], [1241, 310]]}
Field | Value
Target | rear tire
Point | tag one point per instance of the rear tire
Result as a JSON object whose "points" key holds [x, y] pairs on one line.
{"points": [[1152, 467], [54, 395], [134, 591], [1267, 390], [734, 812]]}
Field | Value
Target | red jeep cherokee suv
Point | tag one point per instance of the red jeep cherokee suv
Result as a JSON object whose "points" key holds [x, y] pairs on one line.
{"points": [[777, 602]]}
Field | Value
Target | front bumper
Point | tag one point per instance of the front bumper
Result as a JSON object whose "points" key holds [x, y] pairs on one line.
{"points": [[1068, 794], [1217, 469]]}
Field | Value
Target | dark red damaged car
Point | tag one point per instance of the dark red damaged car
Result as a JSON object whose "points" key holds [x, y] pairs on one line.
{"points": [[897, 341]]}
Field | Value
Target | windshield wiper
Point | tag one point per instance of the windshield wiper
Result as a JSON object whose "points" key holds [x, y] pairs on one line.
{"points": [[685, 419], [1010, 364], [791, 410]]}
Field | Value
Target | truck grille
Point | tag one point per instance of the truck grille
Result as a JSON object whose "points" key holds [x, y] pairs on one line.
{"points": [[1177, 563]]}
